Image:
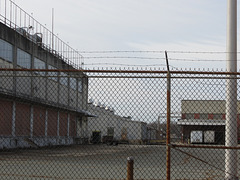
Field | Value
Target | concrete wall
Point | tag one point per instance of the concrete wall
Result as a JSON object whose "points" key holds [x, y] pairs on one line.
{"points": [[23, 83], [52, 91], [73, 98], [40, 87], [63, 95], [136, 130]]}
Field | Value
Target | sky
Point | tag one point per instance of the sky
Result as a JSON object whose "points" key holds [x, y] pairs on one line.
{"points": [[193, 32], [139, 25]]}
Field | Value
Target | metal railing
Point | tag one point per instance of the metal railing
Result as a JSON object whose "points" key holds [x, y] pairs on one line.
{"points": [[16, 18]]}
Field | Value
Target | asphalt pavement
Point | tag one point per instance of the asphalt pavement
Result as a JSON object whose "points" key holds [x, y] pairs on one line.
{"points": [[110, 162]]}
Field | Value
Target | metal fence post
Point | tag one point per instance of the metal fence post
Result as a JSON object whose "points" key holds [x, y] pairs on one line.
{"points": [[130, 168], [168, 147]]}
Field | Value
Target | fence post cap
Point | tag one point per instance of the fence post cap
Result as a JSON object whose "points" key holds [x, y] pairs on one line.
{"points": [[130, 158]]}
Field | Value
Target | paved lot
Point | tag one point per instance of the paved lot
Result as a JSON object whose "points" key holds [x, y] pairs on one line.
{"points": [[110, 162]]}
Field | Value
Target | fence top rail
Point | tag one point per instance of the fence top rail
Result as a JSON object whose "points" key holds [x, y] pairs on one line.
{"points": [[204, 146], [124, 71]]}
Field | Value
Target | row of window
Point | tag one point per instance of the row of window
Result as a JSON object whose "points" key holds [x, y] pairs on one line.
{"points": [[205, 116], [24, 60]]}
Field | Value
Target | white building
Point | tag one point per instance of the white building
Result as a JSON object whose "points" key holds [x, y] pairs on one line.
{"points": [[109, 124]]}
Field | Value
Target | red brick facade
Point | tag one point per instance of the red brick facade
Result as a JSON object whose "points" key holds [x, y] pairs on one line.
{"points": [[6, 117], [23, 113], [39, 116], [63, 124], [52, 123]]}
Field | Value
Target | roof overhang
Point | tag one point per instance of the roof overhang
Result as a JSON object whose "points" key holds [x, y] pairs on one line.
{"points": [[86, 113]]}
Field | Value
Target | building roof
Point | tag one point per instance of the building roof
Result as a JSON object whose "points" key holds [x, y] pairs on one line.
{"points": [[200, 122], [33, 100], [86, 113]]}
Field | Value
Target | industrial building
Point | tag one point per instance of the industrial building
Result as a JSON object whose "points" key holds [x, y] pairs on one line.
{"points": [[38, 108], [108, 123], [203, 121]]}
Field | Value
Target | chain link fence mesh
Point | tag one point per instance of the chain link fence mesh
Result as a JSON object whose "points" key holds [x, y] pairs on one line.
{"points": [[73, 125]]}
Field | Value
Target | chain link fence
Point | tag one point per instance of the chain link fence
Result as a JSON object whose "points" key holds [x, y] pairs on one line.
{"points": [[70, 124]]}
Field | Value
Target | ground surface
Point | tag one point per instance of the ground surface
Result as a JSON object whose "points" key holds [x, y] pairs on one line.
{"points": [[110, 162]]}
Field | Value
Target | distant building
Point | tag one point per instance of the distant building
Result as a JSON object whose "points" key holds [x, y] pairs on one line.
{"points": [[110, 124], [203, 121]]}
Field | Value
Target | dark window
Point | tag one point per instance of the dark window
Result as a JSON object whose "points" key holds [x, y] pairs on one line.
{"points": [[39, 64], [6, 50], [210, 116], [23, 59], [110, 131], [196, 116]]}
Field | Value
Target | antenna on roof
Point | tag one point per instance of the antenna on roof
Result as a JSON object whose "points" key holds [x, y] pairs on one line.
{"points": [[90, 101]]}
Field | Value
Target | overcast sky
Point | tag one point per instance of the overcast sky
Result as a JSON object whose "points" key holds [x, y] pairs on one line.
{"points": [[141, 25], [172, 25]]}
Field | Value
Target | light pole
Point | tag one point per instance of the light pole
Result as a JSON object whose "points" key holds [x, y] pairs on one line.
{"points": [[231, 93]]}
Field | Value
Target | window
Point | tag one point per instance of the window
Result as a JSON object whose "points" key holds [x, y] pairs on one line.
{"points": [[196, 116], [63, 78], [110, 131], [80, 86], [189, 116], [124, 133], [210, 116], [39, 64], [183, 116], [23, 59], [224, 116], [203, 116], [6, 50], [52, 75], [73, 83], [217, 116]]}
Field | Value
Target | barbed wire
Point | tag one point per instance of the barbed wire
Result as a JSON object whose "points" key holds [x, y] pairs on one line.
{"points": [[123, 51], [116, 64], [121, 57], [210, 60], [157, 51], [153, 58]]}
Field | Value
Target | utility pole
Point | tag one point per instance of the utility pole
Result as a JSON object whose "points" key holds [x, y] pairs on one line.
{"points": [[231, 93]]}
